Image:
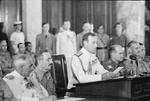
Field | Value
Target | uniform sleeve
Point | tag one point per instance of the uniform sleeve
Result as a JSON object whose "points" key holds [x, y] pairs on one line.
{"points": [[79, 73], [29, 99], [100, 69]]}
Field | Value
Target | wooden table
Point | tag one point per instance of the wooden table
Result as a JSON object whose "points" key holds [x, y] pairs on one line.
{"points": [[127, 89]]}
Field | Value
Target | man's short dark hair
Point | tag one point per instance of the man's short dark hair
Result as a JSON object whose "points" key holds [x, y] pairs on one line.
{"points": [[44, 23], [131, 43], [19, 44], [85, 36], [3, 40], [117, 23], [27, 43]]}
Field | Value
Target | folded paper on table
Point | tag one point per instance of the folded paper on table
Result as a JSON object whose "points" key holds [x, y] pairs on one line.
{"points": [[118, 69]]}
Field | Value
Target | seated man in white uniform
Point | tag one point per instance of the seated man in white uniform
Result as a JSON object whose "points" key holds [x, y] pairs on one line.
{"points": [[23, 82], [86, 66]]}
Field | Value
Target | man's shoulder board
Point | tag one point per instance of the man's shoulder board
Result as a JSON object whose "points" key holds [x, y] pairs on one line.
{"points": [[79, 54]]}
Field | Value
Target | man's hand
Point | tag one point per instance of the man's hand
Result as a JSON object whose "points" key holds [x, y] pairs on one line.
{"points": [[49, 98], [33, 79], [109, 75], [15, 99]]}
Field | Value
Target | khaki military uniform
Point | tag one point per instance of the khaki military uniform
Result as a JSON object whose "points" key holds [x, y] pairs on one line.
{"points": [[5, 62]]}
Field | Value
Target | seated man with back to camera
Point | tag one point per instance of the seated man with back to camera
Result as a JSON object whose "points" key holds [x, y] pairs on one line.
{"points": [[23, 82], [43, 73], [86, 66]]}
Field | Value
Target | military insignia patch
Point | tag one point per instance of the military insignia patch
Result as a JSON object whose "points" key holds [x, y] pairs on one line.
{"points": [[109, 66], [79, 53]]}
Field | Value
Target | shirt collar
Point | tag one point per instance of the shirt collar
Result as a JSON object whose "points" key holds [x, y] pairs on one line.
{"points": [[90, 55], [18, 75]]}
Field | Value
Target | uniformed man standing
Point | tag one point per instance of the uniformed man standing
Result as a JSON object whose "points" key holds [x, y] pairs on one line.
{"points": [[17, 36], [86, 29], [85, 65], [66, 44], [45, 41], [103, 42]]}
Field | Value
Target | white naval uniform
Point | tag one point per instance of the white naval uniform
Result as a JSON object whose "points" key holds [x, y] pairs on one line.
{"points": [[80, 67], [17, 37], [66, 44], [18, 87]]}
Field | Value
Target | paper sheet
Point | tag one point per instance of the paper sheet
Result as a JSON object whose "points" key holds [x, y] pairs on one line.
{"points": [[118, 69]]}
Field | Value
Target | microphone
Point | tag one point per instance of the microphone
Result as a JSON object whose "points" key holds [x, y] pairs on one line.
{"points": [[133, 57]]}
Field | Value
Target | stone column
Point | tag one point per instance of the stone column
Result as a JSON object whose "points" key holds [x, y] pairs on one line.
{"points": [[32, 19], [132, 14]]}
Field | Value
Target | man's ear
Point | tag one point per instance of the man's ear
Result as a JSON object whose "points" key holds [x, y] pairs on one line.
{"points": [[129, 51], [84, 42]]}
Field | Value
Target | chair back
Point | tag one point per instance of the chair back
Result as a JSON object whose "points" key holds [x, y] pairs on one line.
{"points": [[59, 73]]}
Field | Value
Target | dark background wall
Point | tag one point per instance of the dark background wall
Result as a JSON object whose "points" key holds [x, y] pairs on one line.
{"points": [[100, 12]]}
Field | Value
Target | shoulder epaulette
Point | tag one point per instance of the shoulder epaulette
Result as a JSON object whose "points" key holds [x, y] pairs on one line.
{"points": [[10, 77], [79, 54]]}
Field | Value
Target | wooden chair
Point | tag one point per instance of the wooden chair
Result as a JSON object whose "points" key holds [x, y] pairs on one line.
{"points": [[59, 74]]}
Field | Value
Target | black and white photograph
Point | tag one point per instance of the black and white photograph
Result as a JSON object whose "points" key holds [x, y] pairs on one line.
{"points": [[74, 50]]}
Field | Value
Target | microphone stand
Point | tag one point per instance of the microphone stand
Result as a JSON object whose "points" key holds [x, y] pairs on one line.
{"points": [[136, 69]]}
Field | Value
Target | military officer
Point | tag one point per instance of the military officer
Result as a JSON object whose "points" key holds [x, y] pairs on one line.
{"points": [[103, 42], [5, 58], [17, 36], [116, 54], [138, 63], [85, 64], [24, 84], [43, 73], [86, 29]]}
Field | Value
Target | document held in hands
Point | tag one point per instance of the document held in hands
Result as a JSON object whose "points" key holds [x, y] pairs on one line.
{"points": [[118, 69]]}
